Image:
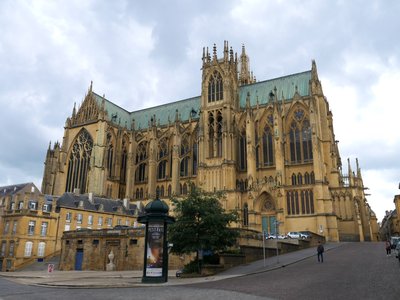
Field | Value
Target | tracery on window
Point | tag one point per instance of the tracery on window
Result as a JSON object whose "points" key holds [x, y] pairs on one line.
{"points": [[185, 156], [219, 134], [300, 138], [242, 151], [194, 158], [246, 215], [79, 162], [110, 155], [210, 134], [141, 157], [162, 169], [215, 87], [124, 162], [268, 146]]}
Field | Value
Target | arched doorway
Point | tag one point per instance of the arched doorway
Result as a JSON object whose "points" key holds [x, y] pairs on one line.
{"points": [[268, 213]]}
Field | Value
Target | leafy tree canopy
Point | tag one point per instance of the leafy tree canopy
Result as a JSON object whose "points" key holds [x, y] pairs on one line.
{"points": [[201, 223]]}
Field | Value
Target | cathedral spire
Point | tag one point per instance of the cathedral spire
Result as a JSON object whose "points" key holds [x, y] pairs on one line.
{"points": [[245, 75], [215, 53], [74, 110], [315, 84], [358, 169]]}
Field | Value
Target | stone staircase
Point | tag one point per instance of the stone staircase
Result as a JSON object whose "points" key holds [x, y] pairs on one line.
{"points": [[42, 266]]}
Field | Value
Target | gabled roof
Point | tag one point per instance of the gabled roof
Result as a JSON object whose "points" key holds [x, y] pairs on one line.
{"points": [[15, 188], [71, 200], [285, 87]]}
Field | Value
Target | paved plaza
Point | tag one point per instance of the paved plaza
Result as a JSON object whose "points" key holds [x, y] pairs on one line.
{"points": [[350, 271]]}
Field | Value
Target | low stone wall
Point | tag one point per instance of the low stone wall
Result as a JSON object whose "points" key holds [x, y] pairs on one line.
{"points": [[95, 246]]}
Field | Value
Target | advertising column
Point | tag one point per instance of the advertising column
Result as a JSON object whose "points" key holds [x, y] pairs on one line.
{"points": [[155, 242]]}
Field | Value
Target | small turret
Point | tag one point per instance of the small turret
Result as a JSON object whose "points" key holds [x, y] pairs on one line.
{"points": [[245, 75]]}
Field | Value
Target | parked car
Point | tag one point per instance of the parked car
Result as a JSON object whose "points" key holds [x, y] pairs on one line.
{"points": [[305, 235], [294, 235], [397, 251], [282, 237], [394, 240], [270, 236]]}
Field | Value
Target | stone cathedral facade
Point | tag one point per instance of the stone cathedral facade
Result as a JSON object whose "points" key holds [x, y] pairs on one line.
{"points": [[269, 145]]}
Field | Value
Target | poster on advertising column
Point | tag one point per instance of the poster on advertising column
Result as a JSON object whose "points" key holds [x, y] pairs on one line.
{"points": [[155, 242]]}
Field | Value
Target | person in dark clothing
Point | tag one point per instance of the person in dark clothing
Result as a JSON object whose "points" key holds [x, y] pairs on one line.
{"points": [[320, 251], [388, 248]]}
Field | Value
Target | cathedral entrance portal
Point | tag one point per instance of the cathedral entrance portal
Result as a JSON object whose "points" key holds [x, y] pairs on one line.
{"points": [[269, 224], [268, 213]]}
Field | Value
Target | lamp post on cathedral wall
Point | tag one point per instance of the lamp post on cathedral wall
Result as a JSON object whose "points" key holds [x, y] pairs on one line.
{"points": [[156, 218]]}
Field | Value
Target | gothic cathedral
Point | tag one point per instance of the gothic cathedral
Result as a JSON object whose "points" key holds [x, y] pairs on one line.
{"points": [[269, 145]]}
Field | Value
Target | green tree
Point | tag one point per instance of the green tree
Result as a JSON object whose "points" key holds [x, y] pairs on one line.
{"points": [[201, 223]]}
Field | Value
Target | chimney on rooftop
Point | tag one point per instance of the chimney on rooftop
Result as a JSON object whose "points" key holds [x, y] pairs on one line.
{"points": [[90, 196], [126, 203]]}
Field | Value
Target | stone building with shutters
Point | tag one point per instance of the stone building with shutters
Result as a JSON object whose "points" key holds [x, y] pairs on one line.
{"points": [[269, 145], [28, 225], [32, 224]]}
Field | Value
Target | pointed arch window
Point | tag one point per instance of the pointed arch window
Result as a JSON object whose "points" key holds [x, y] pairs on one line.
{"points": [[194, 161], [141, 158], [79, 162], [169, 191], [211, 134], [110, 155], [215, 87], [219, 134], [300, 138], [246, 215], [307, 178], [163, 149], [268, 147], [294, 179], [184, 189], [162, 156], [295, 150], [299, 179], [162, 191], [242, 151], [185, 156], [124, 162], [307, 142]]}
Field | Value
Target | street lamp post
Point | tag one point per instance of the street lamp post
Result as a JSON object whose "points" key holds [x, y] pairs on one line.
{"points": [[276, 236]]}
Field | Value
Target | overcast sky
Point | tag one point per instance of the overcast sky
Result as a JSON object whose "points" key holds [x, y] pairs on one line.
{"points": [[145, 53]]}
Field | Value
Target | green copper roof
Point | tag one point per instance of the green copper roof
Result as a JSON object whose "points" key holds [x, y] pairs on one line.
{"points": [[116, 114], [283, 86], [167, 112]]}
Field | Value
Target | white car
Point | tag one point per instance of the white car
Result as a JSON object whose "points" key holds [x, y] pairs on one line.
{"points": [[397, 251], [294, 235]]}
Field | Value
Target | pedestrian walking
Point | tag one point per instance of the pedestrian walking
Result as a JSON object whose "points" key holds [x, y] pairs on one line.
{"points": [[320, 252], [388, 248]]}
